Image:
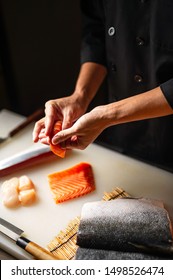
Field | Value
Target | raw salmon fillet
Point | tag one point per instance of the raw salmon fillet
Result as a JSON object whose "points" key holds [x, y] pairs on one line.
{"points": [[56, 149], [71, 183]]}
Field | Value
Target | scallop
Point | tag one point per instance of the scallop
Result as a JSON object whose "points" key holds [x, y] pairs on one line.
{"points": [[25, 183], [27, 197], [10, 192], [18, 191]]}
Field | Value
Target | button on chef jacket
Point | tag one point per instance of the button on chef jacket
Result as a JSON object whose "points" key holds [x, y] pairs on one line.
{"points": [[134, 40]]}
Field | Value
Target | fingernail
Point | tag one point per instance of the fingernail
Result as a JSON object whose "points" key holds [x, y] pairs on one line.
{"points": [[54, 140]]}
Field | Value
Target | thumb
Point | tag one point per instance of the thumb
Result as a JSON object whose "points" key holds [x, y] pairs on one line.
{"points": [[63, 135]]}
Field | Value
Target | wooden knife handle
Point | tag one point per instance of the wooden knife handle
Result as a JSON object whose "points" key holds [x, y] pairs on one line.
{"points": [[33, 117], [34, 249]]}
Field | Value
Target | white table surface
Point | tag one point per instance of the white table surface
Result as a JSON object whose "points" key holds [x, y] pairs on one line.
{"points": [[111, 170]]}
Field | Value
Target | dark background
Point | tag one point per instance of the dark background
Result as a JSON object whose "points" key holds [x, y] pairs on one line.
{"points": [[39, 52]]}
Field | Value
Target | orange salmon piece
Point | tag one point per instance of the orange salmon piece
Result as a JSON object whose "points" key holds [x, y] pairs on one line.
{"points": [[72, 182], [56, 149]]}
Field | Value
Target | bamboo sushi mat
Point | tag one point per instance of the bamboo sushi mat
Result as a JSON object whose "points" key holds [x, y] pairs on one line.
{"points": [[64, 246]]}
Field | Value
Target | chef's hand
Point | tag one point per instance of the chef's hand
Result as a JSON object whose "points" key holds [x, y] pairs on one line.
{"points": [[83, 132], [67, 109]]}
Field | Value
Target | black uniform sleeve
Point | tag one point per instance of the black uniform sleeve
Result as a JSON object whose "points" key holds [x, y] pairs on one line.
{"points": [[167, 89], [93, 32]]}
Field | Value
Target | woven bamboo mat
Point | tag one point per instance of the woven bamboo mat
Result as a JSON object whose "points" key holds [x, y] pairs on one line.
{"points": [[64, 246]]}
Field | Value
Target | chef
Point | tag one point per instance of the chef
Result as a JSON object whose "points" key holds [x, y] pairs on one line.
{"points": [[130, 44]]}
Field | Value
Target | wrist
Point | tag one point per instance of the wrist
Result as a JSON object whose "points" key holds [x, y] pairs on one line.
{"points": [[81, 96], [90, 78], [106, 114]]}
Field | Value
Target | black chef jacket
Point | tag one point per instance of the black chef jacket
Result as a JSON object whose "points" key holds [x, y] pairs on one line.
{"points": [[134, 41]]}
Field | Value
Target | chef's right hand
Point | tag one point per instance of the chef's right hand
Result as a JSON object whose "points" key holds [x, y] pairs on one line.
{"points": [[66, 109]]}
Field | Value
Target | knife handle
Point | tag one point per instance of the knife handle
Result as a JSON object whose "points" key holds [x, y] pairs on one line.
{"points": [[33, 117], [34, 249]]}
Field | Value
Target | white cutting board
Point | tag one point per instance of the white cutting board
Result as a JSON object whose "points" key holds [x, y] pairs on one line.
{"points": [[42, 221]]}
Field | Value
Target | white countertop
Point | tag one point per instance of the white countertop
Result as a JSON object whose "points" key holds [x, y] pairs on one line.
{"points": [[111, 169]]}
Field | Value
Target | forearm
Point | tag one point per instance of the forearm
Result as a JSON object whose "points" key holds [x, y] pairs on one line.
{"points": [[150, 104], [89, 80]]}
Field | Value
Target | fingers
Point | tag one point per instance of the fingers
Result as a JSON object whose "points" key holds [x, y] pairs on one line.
{"points": [[49, 117], [52, 113], [69, 140], [37, 129], [62, 136], [61, 109], [74, 142], [67, 121], [43, 138]]}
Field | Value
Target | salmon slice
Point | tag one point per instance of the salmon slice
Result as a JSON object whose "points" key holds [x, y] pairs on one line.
{"points": [[56, 149], [72, 182]]}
